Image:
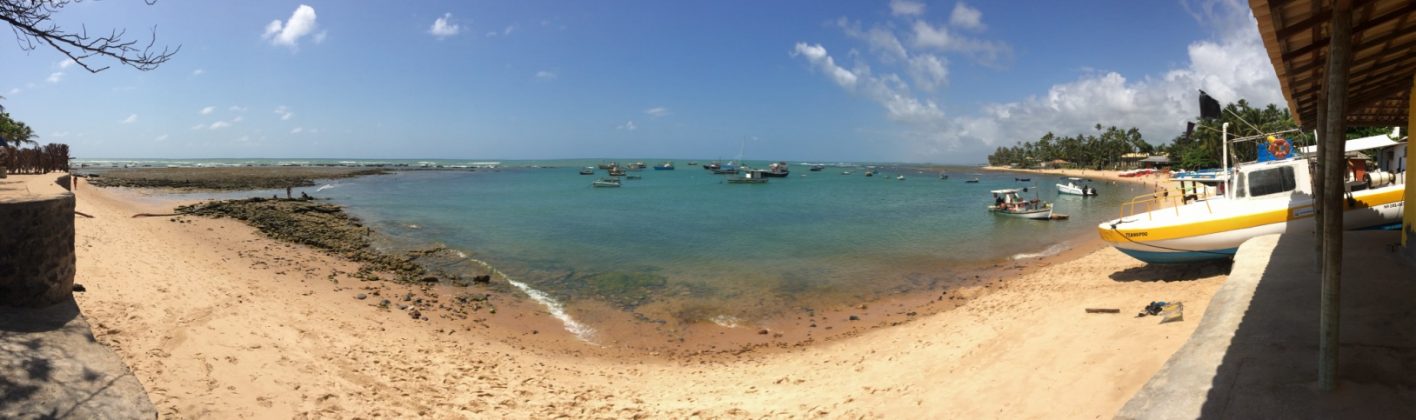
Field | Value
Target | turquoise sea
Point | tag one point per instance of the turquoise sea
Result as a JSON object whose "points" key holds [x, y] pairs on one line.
{"points": [[684, 246]]}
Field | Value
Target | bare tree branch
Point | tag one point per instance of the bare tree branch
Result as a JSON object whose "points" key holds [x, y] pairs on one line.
{"points": [[32, 23]]}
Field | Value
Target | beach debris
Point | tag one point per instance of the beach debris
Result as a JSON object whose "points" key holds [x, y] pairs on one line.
{"points": [[763, 331], [1168, 311], [413, 313], [361, 296], [1103, 310], [79, 288], [854, 318]]}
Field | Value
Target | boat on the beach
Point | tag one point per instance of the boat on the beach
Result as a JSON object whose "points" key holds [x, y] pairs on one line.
{"points": [[588, 170], [1219, 210], [1007, 202], [777, 170], [606, 183], [1074, 189], [666, 166]]}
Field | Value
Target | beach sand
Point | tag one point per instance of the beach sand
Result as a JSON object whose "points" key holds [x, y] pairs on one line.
{"points": [[218, 321]]}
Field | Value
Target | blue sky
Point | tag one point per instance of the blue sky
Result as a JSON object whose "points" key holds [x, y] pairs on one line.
{"points": [[798, 80]]}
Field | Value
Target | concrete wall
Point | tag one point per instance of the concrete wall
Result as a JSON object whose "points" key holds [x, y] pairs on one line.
{"points": [[36, 248]]}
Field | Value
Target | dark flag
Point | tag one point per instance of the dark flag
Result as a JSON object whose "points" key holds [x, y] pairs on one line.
{"points": [[1209, 107]]}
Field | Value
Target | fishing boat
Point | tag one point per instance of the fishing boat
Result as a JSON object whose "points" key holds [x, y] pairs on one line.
{"points": [[666, 166], [1222, 209], [588, 170], [845, 172], [972, 181], [606, 183], [1074, 189], [615, 170], [694, 163], [1023, 179], [729, 168], [637, 166], [943, 176], [777, 170], [900, 178], [1007, 202], [633, 177], [817, 168], [712, 166], [749, 177], [869, 172]]}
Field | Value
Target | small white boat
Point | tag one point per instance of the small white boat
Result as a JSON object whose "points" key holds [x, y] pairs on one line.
{"points": [[606, 183], [1007, 202], [901, 177], [1074, 189]]}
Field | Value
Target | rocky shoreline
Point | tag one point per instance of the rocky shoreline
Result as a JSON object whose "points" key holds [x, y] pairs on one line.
{"points": [[326, 227], [222, 179]]}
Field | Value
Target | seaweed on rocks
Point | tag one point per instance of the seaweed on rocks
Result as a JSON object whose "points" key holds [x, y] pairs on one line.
{"points": [[321, 226]]}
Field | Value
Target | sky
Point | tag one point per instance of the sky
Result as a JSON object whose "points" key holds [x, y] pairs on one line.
{"points": [[889, 80]]}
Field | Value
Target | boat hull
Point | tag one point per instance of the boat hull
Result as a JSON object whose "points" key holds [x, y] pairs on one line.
{"points": [[1035, 214], [1073, 190], [1219, 238]]}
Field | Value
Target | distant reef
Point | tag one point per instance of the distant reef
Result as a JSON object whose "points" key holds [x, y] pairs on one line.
{"points": [[234, 178]]}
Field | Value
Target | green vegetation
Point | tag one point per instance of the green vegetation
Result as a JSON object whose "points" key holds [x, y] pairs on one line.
{"points": [[1200, 149]]}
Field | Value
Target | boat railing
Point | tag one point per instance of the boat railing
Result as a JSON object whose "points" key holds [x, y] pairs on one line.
{"points": [[1149, 203]]}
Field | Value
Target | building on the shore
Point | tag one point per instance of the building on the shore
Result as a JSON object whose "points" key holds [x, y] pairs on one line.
{"points": [[1155, 162]]}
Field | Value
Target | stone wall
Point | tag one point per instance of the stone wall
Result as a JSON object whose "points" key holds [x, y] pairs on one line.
{"points": [[36, 249]]}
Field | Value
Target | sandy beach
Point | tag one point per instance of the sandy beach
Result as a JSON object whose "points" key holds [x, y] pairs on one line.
{"points": [[1158, 179], [218, 321]]}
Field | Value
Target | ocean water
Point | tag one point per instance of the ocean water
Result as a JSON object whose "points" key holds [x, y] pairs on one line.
{"points": [[683, 246]]}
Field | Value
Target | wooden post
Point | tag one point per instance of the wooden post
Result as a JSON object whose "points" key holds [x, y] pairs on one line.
{"points": [[1408, 216], [1318, 179], [1334, 171]]}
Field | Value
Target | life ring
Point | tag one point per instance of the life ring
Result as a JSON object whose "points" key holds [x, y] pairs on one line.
{"points": [[1279, 147]]}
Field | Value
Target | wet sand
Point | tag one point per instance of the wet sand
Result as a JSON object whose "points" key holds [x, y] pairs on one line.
{"points": [[217, 320]]}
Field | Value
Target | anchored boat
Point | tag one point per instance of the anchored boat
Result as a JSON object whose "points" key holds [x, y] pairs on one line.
{"points": [[1072, 188], [1219, 210], [606, 183], [1007, 202]]}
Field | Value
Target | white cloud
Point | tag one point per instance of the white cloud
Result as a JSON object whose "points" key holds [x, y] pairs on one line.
{"points": [[319, 38], [218, 125], [929, 72], [627, 126], [199, 127], [443, 28], [546, 75], [15, 91], [880, 40], [906, 8], [284, 112], [132, 118], [65, 63], [198, 72], [59, 134], [816, 54], [55, 77], [966, 17], [207, 110], [509, 29], [988, 53], [288, 33], [657, 112], [235, 108], [237, 119], [161, 138], [297, 130]]}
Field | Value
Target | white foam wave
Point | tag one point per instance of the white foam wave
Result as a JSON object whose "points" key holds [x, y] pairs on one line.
{"points": [[1050, 251], [325, 187], [581, 331]]}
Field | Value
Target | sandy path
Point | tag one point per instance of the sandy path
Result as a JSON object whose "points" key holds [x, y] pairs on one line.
{"points": [[218, 322]]}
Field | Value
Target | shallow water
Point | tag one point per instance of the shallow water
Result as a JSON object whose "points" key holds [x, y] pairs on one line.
{"points": [[684, 246]]}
